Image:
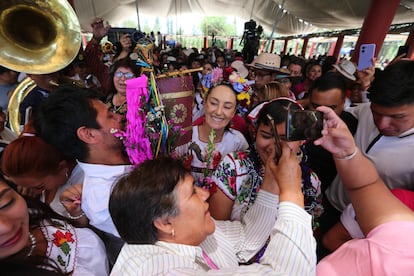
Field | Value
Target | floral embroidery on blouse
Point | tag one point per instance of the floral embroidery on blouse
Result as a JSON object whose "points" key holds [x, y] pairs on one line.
{"points": [[62, 243], [62, 240]]}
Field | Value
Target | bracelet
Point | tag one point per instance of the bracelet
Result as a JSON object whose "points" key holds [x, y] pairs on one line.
{"points": [[348, 157], [76, 217]]}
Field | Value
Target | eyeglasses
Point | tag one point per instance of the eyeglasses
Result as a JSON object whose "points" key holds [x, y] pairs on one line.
{"points": [[127, 75]]}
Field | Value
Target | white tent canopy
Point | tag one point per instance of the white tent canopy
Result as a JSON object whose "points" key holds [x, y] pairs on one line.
{"points": [[300, 16]]}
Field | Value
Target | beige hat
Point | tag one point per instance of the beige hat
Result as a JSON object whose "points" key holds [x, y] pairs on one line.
{"points": [[267, 61], [238, 65], [346, 68]]}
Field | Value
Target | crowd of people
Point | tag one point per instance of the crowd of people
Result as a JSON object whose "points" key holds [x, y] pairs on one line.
{"points": [[240, 197]]}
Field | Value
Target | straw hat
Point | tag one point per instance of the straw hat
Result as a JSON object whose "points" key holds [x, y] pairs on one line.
{"points": [[240, 68], [346, 68], [267, 61]]}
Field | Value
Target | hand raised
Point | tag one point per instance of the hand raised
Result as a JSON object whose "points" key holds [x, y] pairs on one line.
{"points": [[336, 136]]}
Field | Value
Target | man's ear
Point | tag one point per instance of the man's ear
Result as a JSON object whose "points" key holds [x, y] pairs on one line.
{"points": [[87, 135]]}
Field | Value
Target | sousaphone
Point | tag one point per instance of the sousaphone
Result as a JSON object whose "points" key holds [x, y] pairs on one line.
{"points": [[36, 37]]}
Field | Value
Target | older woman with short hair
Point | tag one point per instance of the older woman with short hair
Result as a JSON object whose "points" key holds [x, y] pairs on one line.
{"points": [[165, 221]]}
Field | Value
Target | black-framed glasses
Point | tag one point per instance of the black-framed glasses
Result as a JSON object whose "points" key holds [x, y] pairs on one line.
{"points": [[127, 75]]}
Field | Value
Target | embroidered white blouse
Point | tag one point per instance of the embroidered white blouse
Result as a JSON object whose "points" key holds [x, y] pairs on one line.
{"points": [[78, 251]]}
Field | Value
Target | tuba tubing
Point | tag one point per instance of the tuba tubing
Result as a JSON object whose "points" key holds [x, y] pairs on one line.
{"points": [[21, 91]]}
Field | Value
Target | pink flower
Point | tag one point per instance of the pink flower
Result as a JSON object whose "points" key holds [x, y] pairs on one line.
{"points": [[241, 155], [232, 182]]}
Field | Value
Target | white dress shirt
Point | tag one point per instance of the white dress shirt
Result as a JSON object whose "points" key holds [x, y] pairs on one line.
{"points": [[290, 252], [97, 187]]}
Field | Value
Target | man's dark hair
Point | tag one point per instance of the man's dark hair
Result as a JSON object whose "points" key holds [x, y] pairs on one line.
{"points": [[62, 114], [298, 61], [144, 195], [394, 86], [329, 81]]}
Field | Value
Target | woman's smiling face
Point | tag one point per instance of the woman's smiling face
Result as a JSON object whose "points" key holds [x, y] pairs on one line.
{"points": [[220, 107], [14, 222], [265, 140]]}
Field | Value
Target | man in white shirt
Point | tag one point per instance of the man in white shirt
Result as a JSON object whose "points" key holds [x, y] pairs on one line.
{"points": [[385, 130], [80, 125]]}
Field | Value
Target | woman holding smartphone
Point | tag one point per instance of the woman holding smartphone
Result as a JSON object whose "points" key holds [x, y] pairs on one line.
{"points": [[240, 174]]}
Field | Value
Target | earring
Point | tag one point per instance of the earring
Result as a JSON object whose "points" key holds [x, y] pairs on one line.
{"points": [[172, 233], [67, 174]]}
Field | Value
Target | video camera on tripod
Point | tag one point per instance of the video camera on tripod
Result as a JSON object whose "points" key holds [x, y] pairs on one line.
{"points": [[250, 40]]}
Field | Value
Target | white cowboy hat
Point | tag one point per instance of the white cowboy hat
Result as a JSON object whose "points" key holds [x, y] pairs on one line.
{"points": [[238, 65], [267, 61], [346, 68]]}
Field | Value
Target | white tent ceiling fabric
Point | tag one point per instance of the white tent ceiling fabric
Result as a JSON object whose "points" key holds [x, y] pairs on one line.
{"points": [[302, 16]]}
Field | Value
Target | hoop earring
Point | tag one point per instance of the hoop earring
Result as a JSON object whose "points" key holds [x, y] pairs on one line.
{"points": [[172, 233]]}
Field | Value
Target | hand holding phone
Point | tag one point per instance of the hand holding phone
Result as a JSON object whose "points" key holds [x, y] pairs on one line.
{"points": [[366, 54], [278, 146]]}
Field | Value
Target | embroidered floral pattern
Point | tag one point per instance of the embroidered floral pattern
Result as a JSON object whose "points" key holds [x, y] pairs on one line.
{"points": [[62, 239], [62, 243], [237, 177]]}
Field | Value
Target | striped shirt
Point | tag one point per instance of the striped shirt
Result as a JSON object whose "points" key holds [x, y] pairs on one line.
{"points": [[291, 250]]}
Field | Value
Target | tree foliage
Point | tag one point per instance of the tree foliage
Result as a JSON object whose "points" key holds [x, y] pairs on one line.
{"points": [[217, 25]]}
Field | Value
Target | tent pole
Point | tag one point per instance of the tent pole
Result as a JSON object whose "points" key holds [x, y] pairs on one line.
{"points": [[136, 6], [277, 20]]}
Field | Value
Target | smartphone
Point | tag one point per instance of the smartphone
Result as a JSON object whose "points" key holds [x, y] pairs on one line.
{"points": [[278, 146], [304, 125], [404, 49], [366, 54]]}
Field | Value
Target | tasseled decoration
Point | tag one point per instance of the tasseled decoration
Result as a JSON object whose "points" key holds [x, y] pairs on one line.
{"points": [[136, 142]]}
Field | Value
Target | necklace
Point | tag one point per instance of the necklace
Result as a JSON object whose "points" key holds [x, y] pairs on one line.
{"points": [[32, 239], [117, 108]]}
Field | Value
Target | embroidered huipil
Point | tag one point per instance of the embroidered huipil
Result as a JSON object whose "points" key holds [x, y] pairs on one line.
{"points": [[78, 251]]}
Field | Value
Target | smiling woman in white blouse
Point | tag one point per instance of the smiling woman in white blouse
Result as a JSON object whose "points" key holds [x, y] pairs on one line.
{"points": [[164, 219], [33, 236]]}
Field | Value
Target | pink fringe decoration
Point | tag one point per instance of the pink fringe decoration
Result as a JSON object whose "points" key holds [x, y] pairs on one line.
{"points": [[137, 145]]}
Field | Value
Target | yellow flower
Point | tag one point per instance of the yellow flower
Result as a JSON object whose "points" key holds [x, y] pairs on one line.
{"points": [[243, 96]]}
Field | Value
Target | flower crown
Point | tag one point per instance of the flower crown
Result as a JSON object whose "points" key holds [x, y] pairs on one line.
{"points": [[214, 78], [243, 89], [239, 84]]}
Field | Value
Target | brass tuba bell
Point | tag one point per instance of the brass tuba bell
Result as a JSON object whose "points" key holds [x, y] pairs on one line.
{"points": [[38, 37]]}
